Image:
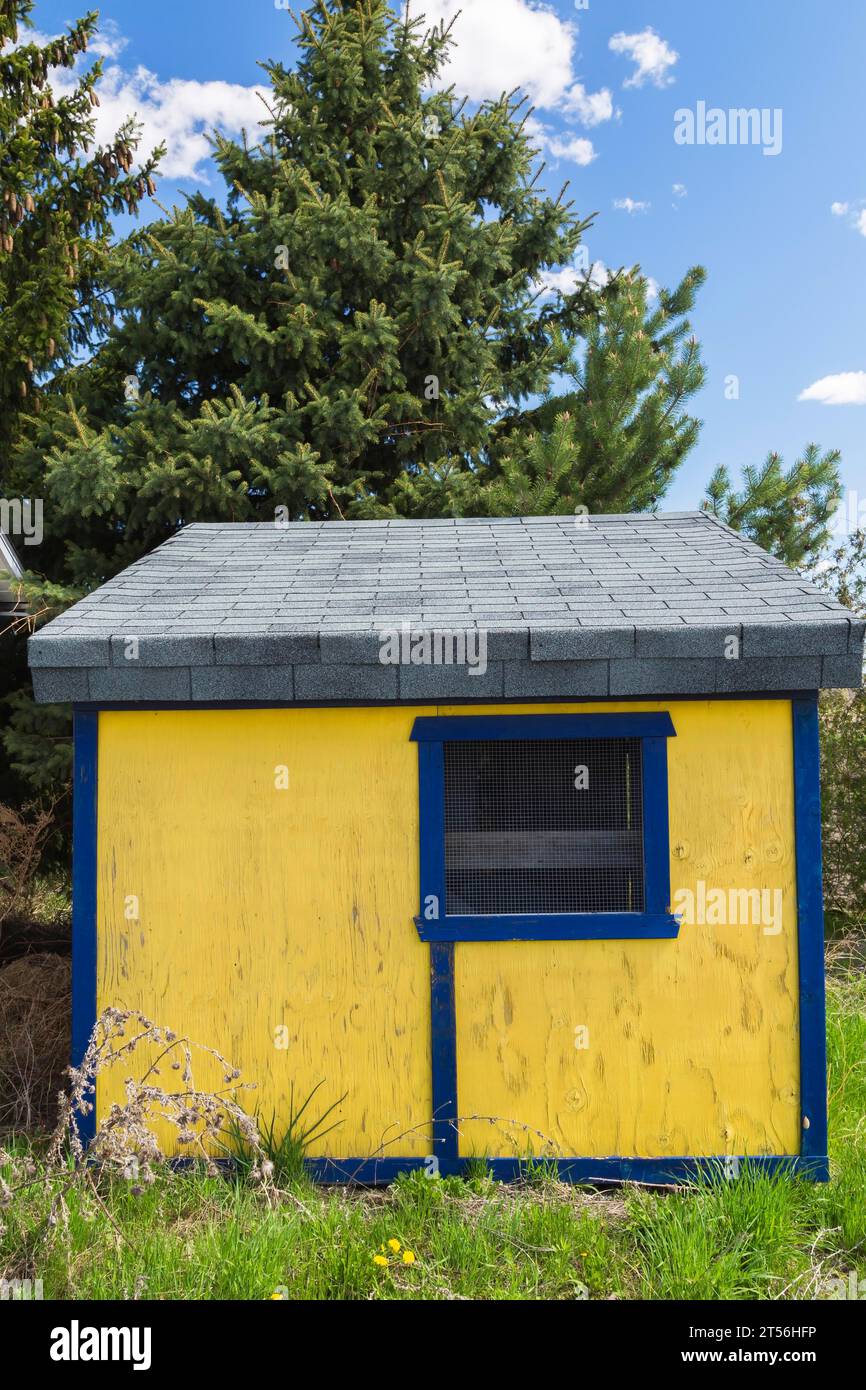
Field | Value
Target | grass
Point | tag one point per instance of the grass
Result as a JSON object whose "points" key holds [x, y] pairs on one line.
{"points": [[193, 1237]]}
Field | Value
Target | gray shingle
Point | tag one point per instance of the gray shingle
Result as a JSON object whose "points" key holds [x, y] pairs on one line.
{"points": [[774, 673], [358, 683], [841, 672], [580, 644], [563, 680], [240, 683], [786, 638], [451, 682], [114, 684], [64, 651], [147, 650], [654, 596], [281, 648], [685, 642], [60, 686]]}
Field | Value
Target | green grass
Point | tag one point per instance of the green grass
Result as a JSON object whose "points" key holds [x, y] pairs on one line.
{"points": [[193, 1237]]}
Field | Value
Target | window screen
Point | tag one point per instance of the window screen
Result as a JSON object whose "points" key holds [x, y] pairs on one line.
{"points": [[543, 825]]}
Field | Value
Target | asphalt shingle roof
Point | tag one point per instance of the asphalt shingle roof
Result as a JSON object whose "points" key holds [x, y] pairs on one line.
{"points": [[634, 605]]}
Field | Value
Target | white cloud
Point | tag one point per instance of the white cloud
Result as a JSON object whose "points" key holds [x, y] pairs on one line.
{"points": [[845, 388], [560, 144], [855, 215], [650, 53], [179, 113], [630, 205], [567, 279], [572, 147], [503, 44], [590, 108], [680, 191], [109, 42]]}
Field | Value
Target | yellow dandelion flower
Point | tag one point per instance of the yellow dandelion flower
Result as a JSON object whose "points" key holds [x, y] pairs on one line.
{"points": [[394, 1245], [379, 1260], [408, 1257], [277, 1296]]}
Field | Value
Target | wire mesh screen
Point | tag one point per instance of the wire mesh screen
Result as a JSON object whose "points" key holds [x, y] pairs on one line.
{"points": [[548, 825]]}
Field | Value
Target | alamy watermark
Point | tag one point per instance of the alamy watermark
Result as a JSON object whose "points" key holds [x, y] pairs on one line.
{"points": [[729, 907], [21, 1290], [418, 646], [736, 126], [22, 516]]}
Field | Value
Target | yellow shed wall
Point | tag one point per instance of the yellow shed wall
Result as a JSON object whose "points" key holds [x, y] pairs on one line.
{"points": [[229, 909]]}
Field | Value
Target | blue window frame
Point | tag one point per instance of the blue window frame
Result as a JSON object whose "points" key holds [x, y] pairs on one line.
{"points": [[647, 732]]}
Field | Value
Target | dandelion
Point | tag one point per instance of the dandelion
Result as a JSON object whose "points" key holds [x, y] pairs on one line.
{"points": [[394, 1245], [380, 1260], [276, 1297], [408, 1257]]}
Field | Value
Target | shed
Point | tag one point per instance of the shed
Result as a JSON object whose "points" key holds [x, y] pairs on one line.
{"points": [[505, 831]]}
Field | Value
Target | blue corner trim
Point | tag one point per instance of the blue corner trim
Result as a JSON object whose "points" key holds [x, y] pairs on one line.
{"points": [[651, 1171], [574, 926], [447, 728], [810, 928], [443, 1052], [84, 809]]}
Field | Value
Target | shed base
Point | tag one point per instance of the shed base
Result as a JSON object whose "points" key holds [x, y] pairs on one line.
{"points": [[653, 1172]]}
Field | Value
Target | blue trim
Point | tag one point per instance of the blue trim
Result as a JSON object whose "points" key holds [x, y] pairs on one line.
{"points": [[656, 834], [443, 1052], [810, 928], [84, 829], [448, 729], [652, 1171], [431, 830], [573, 926], [655, 922]]}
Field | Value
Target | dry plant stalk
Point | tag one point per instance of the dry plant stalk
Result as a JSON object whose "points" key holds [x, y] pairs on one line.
{"points": [[22, 836], [124, 1140]]}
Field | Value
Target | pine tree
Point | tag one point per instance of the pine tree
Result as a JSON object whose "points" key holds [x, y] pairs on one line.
{"points": [[57, 195], [614, 441], [788, 513]]}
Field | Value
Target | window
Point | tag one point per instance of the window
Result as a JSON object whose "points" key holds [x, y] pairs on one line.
{"points": [[544, 826]]}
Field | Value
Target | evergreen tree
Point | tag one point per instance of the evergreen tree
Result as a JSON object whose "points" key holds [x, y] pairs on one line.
{"points": [[338, 339], [57, 195], [614, 441], [788, 513]]}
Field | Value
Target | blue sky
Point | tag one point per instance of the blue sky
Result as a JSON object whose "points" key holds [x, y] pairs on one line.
{"points": [[783, 236]]}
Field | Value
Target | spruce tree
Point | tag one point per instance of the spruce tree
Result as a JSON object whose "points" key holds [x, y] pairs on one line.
{"points": [[57, 196], [338, 337]]}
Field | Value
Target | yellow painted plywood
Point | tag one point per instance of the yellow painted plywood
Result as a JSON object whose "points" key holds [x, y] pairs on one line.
{"points": [[261, 909], [692, 1044]]}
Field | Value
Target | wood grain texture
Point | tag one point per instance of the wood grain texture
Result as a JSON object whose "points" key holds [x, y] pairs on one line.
{"points": [[263, 908], [260, 908], [692, 1044]]}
